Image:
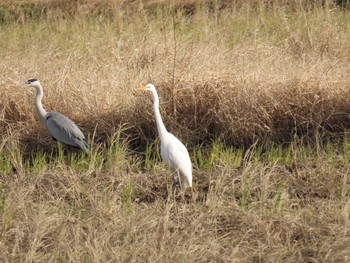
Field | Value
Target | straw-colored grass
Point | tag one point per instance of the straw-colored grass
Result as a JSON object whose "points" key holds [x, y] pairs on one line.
{"points": [[258, 92]]}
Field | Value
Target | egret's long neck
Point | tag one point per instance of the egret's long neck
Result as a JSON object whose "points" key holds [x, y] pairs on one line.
{"points": [[160, 125], [38, 105]]}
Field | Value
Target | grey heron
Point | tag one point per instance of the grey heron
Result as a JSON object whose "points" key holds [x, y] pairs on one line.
{"points": [[172, 150], [60, 126]]}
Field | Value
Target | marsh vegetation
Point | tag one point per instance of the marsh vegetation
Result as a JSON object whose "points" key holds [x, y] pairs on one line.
{"points": [[258, 91]]}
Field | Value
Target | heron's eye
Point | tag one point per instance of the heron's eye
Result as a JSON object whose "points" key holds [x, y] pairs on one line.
{"points": [[31, 80]]}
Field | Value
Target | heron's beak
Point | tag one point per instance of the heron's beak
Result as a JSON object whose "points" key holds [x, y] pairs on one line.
{"points": [[142, 88]]}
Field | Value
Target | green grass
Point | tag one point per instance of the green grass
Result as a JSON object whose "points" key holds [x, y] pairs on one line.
{"points": [[261, 187], [2, 200], [5, 164], [217, 154]]}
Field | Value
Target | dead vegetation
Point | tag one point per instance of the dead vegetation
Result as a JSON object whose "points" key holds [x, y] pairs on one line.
{"points": [[268, 79]]}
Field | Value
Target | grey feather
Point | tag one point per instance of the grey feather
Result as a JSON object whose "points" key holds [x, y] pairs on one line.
{"points": [[66, 131]]}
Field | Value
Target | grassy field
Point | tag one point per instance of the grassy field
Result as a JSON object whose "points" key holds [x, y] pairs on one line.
{"points": [[259, 92]]}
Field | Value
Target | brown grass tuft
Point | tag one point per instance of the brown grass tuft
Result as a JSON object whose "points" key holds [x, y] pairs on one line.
{"points": [[257, 90]]}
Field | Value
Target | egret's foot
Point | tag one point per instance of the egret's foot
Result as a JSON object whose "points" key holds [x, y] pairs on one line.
{"points": [[176, 185]]}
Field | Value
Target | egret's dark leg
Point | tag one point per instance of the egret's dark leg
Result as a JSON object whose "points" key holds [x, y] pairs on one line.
{"points": [[178, 174], [175, 183]]}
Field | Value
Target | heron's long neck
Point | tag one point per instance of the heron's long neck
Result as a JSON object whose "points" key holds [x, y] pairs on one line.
{"points": [[160, 125], [38, 105]]}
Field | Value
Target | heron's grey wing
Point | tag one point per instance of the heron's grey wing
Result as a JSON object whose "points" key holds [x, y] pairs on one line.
{"points": [[65, 130]]}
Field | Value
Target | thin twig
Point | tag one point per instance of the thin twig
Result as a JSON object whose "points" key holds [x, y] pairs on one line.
{"points": [[174, 67]]}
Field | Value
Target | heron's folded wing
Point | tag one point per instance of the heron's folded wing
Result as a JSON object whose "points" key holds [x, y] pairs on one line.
{"points": [[65, 130]]}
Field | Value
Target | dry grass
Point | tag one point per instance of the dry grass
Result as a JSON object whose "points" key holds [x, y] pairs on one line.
{"points": [[245, 74], [271, 78]]}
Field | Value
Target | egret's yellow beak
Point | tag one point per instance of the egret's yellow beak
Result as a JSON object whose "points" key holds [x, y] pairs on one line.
{"points": [[142, 88]]}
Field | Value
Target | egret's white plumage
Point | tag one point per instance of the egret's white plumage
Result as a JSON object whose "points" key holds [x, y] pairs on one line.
{"points": [[60, 127], [172, 150]]}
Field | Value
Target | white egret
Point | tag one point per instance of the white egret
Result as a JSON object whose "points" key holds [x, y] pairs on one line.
{"points": [[172, 150], [60, 127]]}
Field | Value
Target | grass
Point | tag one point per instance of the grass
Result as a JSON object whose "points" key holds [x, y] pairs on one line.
{"points": [[257, 92]]}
